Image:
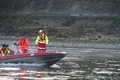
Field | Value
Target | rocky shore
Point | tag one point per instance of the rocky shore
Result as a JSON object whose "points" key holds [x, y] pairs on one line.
{"points": [[72, 44], [85, 45]]}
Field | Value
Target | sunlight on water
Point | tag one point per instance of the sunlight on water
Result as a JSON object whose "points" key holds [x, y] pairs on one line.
{"points": [[8, 69], [12, 73]]}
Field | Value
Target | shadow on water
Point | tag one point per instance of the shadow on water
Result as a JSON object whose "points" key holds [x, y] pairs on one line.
{"points": [[79, 64]]}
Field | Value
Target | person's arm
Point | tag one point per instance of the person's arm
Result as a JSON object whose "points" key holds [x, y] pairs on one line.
{"points": [[19, 42], [37, 40], [47, 40]]}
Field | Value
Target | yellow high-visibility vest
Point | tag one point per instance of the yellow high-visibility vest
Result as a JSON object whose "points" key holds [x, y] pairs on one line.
{"points": [[5, 52], [42, 38]]}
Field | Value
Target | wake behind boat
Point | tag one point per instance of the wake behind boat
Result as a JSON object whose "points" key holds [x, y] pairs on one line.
{"points": [[49, 58]]}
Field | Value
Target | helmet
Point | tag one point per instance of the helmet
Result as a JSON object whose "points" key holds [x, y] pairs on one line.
{"points": [[40, 31]]}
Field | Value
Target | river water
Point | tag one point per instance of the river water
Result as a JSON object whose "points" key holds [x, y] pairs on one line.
{"points": [[79, 64]]}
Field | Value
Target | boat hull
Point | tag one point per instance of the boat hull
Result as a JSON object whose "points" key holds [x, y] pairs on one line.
{"points": [[49, 58]]}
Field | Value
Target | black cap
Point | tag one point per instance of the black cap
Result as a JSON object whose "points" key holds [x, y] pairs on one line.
{"points": [[3, 45], [7, 45]]}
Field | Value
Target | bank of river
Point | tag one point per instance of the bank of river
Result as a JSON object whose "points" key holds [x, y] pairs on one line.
{"points": [[73, 44], [85, 45]]}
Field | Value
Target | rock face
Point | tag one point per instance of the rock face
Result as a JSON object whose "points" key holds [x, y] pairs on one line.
{"points": [[60, 18], [73, 7]]}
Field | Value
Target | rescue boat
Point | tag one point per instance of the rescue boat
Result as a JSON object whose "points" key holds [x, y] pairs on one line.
{"points": [[48, 58]]}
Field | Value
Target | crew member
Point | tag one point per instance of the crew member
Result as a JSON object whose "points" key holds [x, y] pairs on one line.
{"points": [[23, 43], [4, 50], [41, 41], [8, 49]]}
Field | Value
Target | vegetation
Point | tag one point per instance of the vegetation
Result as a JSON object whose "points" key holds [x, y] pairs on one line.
{"points": [[57, 19], [22, 24], [113, 1]]}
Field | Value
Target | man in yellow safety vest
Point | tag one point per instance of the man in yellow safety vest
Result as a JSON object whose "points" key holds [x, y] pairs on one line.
{"points": [[41, 40]]}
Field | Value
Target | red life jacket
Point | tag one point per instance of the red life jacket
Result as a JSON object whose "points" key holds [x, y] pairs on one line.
{"points": [[43, 37]]}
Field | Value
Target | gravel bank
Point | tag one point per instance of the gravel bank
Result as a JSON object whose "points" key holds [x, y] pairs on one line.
{"points": [[85, 45], [72, 44]]}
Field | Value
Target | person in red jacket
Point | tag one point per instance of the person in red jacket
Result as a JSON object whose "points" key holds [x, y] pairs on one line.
{"points": [[23, 43]]}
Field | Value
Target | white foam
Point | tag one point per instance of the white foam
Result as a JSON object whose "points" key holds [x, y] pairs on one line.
{"points": [[23, 64]]}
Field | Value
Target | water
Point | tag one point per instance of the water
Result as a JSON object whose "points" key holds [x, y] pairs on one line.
{"points": [[79, 64]]}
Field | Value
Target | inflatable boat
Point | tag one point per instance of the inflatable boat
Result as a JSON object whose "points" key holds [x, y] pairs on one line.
{"points": [[48, 58]]}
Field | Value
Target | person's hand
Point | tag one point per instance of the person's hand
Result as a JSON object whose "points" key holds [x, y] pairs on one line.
{"points": [[15, 43], [36, 45]]}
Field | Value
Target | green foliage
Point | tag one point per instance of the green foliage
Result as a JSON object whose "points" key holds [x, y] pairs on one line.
{"points": [[70, 28], [115, 27], [113, 1], [51, 31], [17, 21], [116, 22], [68, 22]]}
